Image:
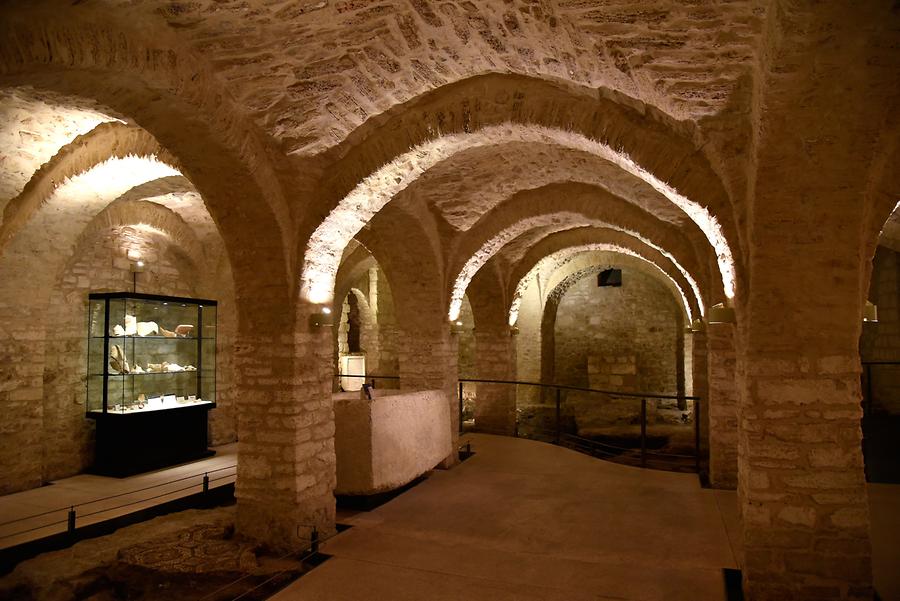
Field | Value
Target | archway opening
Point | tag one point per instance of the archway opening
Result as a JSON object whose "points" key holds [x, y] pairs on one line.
{"points": [[879, 351]]}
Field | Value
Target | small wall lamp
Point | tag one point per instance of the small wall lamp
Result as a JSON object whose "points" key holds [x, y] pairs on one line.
{"points": [[721, 313], [870, 312], [137, 267], [456, 327], [513, 330], [322, 319], [697, 326]]}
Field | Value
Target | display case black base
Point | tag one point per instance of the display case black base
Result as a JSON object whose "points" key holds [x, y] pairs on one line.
{"points": [[137, 442]]}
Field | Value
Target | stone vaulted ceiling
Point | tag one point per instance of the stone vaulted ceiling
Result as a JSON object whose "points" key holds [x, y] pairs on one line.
{"points": [[310, 71]]}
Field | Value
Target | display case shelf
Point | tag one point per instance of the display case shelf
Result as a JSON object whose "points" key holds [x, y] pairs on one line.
{"points": [[146, 423]]}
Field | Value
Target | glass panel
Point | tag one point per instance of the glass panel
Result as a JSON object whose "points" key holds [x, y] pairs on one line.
{"points": [[95, 393], [117, 322], [210, 316], [155, 359], [116, 393], [96, 318], [208, 372]]}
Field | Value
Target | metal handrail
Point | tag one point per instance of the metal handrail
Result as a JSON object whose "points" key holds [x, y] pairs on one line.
{"points": [[559, 436], [638, 395], [70, 509]]}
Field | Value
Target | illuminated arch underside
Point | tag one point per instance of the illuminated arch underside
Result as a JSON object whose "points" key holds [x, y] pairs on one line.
{"points": [[490, 248], [326, 245], [600, 246]]}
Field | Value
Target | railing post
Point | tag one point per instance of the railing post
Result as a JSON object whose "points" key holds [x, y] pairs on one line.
{"points": [[558, 420], [373, 382], [643, 432], [71, 525], [314, 540], [460, 407], [697, 435], [206, 482]]}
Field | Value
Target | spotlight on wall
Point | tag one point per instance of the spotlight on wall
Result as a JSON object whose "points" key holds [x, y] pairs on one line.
{"points": [[697, 326], [870, 313], [721, 313], [133, 254], [137, 267], [513, 330], [456, 327], [322, 318]]}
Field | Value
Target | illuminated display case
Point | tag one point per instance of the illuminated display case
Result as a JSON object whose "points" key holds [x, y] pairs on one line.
{"points": [[151, 379]]}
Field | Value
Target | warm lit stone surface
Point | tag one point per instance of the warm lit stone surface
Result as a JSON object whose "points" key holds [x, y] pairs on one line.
{"points": [[527, 520], [384, 443], [747, 149], [722, 406]]}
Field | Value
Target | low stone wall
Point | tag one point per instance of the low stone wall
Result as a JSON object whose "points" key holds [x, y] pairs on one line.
{"points": [[384, 443]]}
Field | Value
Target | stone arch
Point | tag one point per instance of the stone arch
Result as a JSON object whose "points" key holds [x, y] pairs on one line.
{"points": [[87, 206], [574, 270], [373, 193], [107, 140], [588, 204], [359, 268], [579, 239], [184, 108], [662, 144], [416, 281], [121, 213], [381, 162], [175, 265]]}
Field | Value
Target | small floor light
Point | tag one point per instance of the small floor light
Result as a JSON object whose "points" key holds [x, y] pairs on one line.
{"points": [[457, 327], [870, 313], [697, 326], [721, 313]]}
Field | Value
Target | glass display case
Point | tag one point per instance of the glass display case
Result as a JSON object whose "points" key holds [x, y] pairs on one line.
{"points": [[151, 379]]}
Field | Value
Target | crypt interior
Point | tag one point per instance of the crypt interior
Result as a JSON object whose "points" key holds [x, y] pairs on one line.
{"points": [[687, 205]]}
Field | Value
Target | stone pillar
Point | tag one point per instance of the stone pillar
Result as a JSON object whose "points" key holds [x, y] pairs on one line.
{"points": [[819, 112], [428, 361], [722, 406], [495, 404], [701, 389], [286, 463], [801, 485]]}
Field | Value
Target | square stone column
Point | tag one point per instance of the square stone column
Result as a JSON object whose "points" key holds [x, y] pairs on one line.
{"points": [[801, 485], [495, 404], [286, 462], [722, 406], [700, 373]]}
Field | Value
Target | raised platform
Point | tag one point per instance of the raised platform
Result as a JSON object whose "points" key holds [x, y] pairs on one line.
{"points": [[42, 512]]}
